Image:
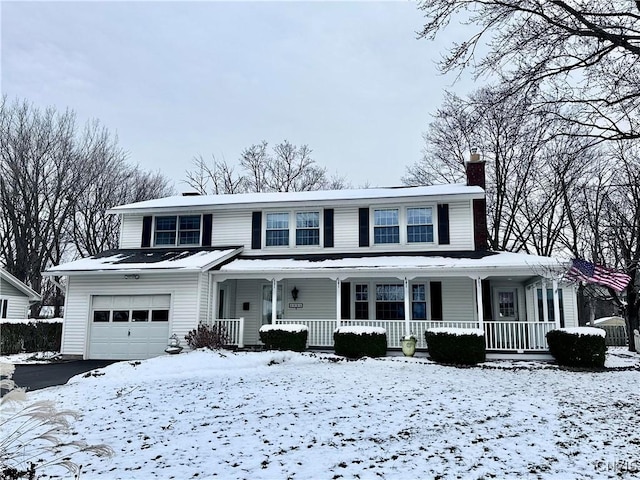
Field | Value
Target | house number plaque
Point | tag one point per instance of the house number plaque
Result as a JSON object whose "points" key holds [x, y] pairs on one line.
{"points": [[295, 305]]}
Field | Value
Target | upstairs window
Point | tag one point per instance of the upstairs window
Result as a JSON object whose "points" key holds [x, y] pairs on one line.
{"points": [[308, 228], [386, 228], [419, 225], [177, 230], [277, 231]]}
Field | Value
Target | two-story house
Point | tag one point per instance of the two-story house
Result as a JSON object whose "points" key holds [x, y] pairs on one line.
{"points": [[405, 259]]}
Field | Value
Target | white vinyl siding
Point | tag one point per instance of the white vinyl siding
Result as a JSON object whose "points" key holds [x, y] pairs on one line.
{"points": [[131, 231], [345, 228], [458, 300], [17, 302], [460, 226], [231, 228], [183, 315]]}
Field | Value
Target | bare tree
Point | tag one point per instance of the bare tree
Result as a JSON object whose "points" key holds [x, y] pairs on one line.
{"points": [[54, 180], [286, 168], [583, 55], [524, 158]]}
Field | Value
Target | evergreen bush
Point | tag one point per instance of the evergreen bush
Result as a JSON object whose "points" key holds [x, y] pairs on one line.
{"points": [[578, 347], [454, 346], [30, 337], [357, 342], [284, 337]]}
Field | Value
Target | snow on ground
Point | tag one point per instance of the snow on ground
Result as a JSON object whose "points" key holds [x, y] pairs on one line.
{"points": [[276, 415]]}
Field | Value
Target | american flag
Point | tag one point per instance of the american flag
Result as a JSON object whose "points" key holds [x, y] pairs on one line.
{"points": [[581, 270]]}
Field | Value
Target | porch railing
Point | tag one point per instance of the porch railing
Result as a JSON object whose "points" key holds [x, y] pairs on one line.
{"points": [[499, 336], [234, 328]]}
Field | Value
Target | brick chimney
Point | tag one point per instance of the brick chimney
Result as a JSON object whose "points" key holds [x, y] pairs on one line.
{"points": [[476, 177]]}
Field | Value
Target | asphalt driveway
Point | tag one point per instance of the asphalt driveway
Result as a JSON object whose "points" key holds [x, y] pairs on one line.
{"points": [[37, 376]]}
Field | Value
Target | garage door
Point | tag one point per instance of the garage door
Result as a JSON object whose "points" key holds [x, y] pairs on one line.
{"points": [[128, 327]]}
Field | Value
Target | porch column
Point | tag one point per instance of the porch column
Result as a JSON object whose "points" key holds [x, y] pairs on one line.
{"points": [[556, 303], [213, 310], [479, 303], [274, 301], [338, 302], [545, 305], [407, 308]]}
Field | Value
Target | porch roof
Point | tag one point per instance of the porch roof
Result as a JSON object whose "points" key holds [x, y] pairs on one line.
{"points": [[154, 260], [465, 263]]}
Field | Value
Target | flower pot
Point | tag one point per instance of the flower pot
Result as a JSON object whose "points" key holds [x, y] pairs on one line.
{"points": [[408, 346]]}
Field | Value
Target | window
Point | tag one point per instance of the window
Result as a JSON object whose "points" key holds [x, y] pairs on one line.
{"points": [[140, 316], [385, 226], [418, 302], [419, 225], [550, 306], [506, 299], [101, 315], [308, 228], [159, 315], [121, 315], [185, 229], [389, 302], [362, 302], [4, 306], [277, 232]]}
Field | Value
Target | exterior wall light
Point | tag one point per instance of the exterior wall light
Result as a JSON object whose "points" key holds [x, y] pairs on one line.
{"points": [[294, 293]]}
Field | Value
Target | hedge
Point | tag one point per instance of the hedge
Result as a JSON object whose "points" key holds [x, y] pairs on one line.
{"points": [[30, 337], [284, 337], [357, 342], [456, 347], [578, 347]]}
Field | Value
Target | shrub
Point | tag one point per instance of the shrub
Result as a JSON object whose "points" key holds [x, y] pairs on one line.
{"points": [[578, 347], [207, 336], [456, 345], [284, 337], [357, 342], [30, 337]]}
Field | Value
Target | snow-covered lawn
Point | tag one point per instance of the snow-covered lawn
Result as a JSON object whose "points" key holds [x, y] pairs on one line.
{"points": [[277, 415]]}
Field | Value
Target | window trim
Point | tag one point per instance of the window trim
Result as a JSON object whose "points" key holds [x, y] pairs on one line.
{"points": [[432, 225], [403, 217], [177, 230], [292, 217]]}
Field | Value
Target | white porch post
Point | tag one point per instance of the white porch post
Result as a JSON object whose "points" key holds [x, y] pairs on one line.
{"points": [[479, 303], [556, 304], [214, 300], [407, 308], [274, 301], [545, 305], [338, 302]]}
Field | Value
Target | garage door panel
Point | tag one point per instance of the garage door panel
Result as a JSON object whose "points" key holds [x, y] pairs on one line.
{"points": [[128, 340]]}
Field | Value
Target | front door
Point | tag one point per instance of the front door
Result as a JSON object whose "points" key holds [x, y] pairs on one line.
{"points": [[267, 291], [507, 304]]}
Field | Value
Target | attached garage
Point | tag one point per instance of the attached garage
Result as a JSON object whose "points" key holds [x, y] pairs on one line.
{"points": [[126, 327]]}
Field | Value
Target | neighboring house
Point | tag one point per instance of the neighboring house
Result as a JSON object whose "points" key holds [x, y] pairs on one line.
{"points": [[405, 259], [15, 297]]}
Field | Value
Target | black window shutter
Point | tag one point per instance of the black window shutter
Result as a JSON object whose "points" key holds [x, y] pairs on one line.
{"points": [[147, 224], [345, 300], [443, 224], [256, 230], [486, 300], [435, 293], [328, 227], [363, 226], [207, 225]]}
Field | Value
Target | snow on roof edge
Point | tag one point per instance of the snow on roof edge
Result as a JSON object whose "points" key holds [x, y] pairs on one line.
{"points": [[200, 201]]}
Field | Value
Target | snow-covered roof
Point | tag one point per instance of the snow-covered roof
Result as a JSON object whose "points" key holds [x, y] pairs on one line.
{"points": [[491, 263], [136, 260], [329, 196], [28, 292]]}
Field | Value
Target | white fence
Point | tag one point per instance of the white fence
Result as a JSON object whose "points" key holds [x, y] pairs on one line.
{"points": [[234, 328], [499, 336]]}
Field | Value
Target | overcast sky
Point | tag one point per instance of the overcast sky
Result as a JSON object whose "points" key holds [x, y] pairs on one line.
{"points": [[179, 79]]}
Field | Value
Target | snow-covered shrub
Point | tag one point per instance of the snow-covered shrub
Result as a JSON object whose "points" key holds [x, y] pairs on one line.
{"points": [[30, 337], [457, 346], [357, 342], [207, 336], [578, 347], [284, 337], [36, 436]]}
